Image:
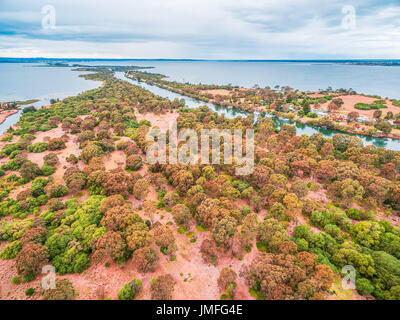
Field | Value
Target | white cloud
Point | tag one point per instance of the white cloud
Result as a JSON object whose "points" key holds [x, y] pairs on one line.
{"points": [[215, 29]]}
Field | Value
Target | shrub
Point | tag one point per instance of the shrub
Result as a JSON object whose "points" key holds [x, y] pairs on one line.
{"points": [[86, 136], [226, 278], [71, 262], [47, 170], [246, 210], [30, 170], [29, 291], [170, 199], [272, 234], [182, 215], [134, 162], [11, 250], [162, 287], [146, 259], [34, 235], [30, 259], [122, 145], [364, 286], [38, 185], [55, 205], [56, 144], [130, 289], [51, 159], [140, 189], [58, 191], [223, 230], [103, 134], [90, 151], [164, 238], [209, 251], [16, 280], [64, 291], [38, 147], [72, 158], [111, 245]]}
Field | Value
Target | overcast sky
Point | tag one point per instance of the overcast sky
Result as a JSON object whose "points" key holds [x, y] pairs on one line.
{"points": [[201, 29]]}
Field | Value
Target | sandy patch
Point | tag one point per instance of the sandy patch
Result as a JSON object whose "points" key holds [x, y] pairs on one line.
{"points": [[114, 160], [215, 92], [163, 121]]}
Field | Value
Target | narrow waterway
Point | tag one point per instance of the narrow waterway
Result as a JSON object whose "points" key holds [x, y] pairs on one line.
{"points": [[229, 112]]}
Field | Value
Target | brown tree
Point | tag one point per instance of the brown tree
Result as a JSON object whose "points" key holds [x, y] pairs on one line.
{"points": [[182, 215], [134, 162], [164, 237], [111, 245], [209, 251], [146, 259], [227, 281], [162, 287], [140, 189], [30, 259], [56, 144]]}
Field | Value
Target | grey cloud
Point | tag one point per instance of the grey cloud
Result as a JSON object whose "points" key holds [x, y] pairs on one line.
{"points": [[203, 28]]}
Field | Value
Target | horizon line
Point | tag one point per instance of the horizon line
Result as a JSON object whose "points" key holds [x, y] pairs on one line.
{"points": [[194, 59]]}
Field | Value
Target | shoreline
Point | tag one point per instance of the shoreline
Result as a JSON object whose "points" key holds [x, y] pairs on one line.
{"points": [[252, 110], [5, 114]]}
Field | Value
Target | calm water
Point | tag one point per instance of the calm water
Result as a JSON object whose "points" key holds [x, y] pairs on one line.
{"points": [[22, 81], [376, 80], [231, 113]]}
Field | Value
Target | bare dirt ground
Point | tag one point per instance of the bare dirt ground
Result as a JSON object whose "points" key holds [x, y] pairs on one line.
{"points": [[315, 94], [114, 160], [162, 121], [215, 92]]}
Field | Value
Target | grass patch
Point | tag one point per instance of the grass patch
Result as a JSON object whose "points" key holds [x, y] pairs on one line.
{"points": [[29, 291], [261, 246], [253, 293], [201, 228], [378, 104], [192, 237], [181, 230], [396, 103]]}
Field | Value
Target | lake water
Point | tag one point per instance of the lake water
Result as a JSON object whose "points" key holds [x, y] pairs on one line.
{"points": [[374, 80], [22, 81]]}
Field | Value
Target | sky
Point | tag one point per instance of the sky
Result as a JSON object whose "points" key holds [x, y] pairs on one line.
{"points": [[201, 29]]}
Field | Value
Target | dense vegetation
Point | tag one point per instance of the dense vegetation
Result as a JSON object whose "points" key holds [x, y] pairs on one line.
{"points": [[311, 206]]}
